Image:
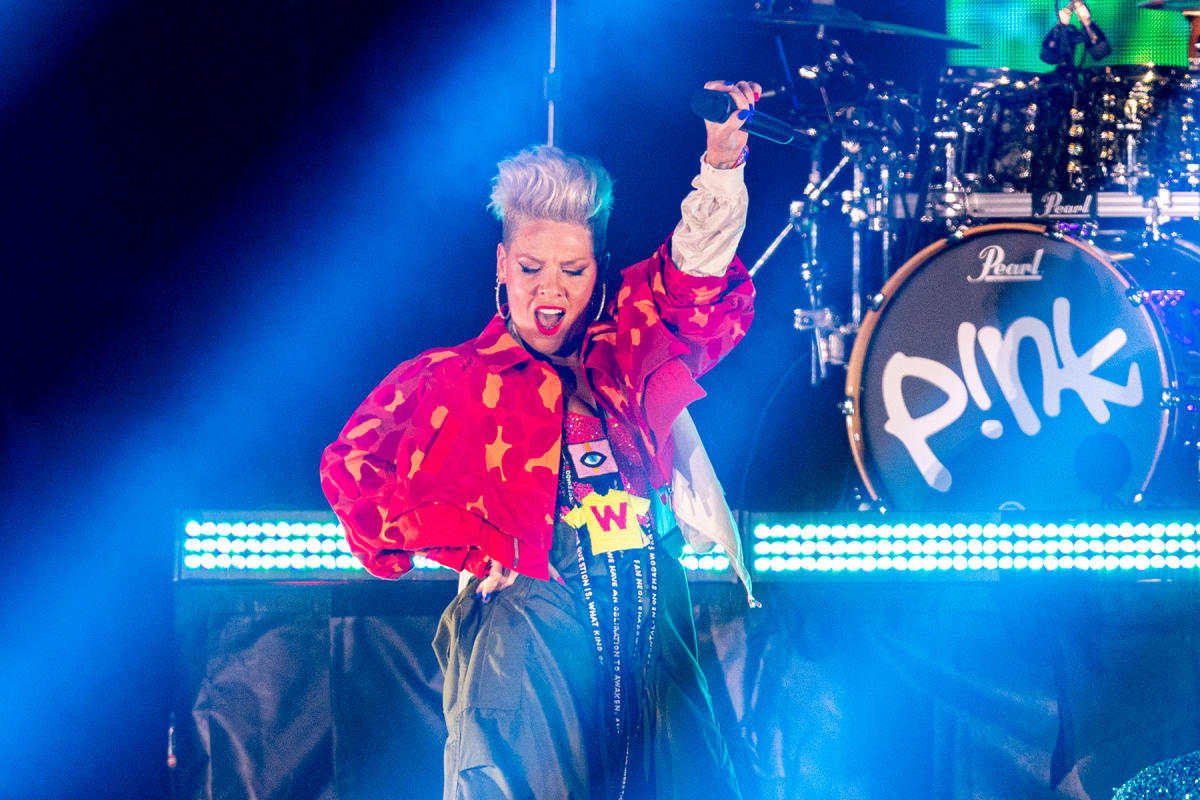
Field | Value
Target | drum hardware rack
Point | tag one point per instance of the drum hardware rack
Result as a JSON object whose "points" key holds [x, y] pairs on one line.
{"points": [[825, 326], [869, 206], [830, 333], [1186, 399], [1139, 296], [1166, 205]]}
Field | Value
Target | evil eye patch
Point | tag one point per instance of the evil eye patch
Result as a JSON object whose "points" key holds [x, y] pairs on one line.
{"points": [[592, 458]]}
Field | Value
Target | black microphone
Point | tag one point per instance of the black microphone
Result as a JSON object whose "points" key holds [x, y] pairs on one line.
{"points": [[1058, 47], [1096, 43], [717, 106]]}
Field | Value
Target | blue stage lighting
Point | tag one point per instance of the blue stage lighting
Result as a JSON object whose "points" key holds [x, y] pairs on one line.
{"points": [[968, 546], [307, 546]]}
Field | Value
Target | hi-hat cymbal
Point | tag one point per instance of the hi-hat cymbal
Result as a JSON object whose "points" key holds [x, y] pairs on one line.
{"points": [[834, 17]]}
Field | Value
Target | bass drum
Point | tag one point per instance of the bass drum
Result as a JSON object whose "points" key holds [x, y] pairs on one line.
{"points": [[1009, 368]]}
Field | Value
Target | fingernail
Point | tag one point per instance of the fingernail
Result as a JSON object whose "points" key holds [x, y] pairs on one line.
{"points": [[745, 112], [756, 96], [729, 83]]}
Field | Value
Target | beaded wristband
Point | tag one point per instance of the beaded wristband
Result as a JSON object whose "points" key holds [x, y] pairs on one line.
{"points": [[741, 159]]}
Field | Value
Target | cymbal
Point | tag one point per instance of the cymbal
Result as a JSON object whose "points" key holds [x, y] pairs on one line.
{"points": [[834, 17], [1172, 5]]}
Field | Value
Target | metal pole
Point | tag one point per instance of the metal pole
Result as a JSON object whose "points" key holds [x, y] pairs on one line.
{"points": [[856, 239], [550, 87]]}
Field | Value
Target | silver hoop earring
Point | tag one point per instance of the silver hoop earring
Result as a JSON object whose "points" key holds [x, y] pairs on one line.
{"points": [[603, 298], [499, 309]]}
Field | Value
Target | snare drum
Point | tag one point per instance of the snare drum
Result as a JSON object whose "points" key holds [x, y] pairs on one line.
{"points": [[1006, 368]]}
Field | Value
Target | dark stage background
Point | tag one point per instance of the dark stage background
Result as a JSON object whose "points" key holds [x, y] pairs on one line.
{"points": [[1023, 688], [225, 222]]}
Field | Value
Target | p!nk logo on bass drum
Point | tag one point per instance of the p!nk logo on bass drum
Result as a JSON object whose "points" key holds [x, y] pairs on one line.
{"points": [[1011, 363], [1063, 369]]}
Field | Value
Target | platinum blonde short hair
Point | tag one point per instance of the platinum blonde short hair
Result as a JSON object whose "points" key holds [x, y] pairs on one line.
{"points": [[543, 182]]}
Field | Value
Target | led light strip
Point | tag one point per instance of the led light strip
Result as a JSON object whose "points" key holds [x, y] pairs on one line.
{"points": [[273, 551], [313, 550], [821, 547], [713, 562]]}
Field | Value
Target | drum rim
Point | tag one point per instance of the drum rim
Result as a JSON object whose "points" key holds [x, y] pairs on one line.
{"points": [[1131, 69], [866, 332], [986, 77]]}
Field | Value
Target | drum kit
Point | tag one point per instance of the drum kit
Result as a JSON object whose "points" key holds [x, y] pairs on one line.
{"points": [[1038, 350]]}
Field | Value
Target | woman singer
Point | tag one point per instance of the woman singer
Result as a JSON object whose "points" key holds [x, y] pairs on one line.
{"points": [[539, 458]]}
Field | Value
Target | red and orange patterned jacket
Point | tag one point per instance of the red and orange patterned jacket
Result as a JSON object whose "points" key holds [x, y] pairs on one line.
{"points": [[456, 453]]}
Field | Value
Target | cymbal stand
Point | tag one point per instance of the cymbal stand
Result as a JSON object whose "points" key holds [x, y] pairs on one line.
{"points": [[944, 192], [855, 208], [821, 320], [881, 213], [894, 170], [867, 205]]}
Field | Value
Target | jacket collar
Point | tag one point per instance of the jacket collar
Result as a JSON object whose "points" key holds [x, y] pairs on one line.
{"points": [[498, 348]]}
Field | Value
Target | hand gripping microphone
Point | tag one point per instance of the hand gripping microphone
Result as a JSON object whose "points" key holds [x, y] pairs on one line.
{"points": [[1094, 39], [1059, 45], [717, 106]]}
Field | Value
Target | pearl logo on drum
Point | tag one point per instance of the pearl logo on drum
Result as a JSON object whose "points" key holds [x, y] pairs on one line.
{"points": [[1062, 370], [1053, 206], [994, 268]]}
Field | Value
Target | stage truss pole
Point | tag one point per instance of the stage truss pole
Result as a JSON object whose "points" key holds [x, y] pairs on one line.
{"points": [[550, 83]]}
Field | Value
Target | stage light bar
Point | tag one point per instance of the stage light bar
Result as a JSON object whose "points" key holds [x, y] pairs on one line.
{"points": [[714, 562], [274, 549], [781, 548], [311, 546]]}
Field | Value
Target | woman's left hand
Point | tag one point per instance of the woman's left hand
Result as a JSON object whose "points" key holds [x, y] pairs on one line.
{"points": [[726, 139], [498, 577], [501, 577]]}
